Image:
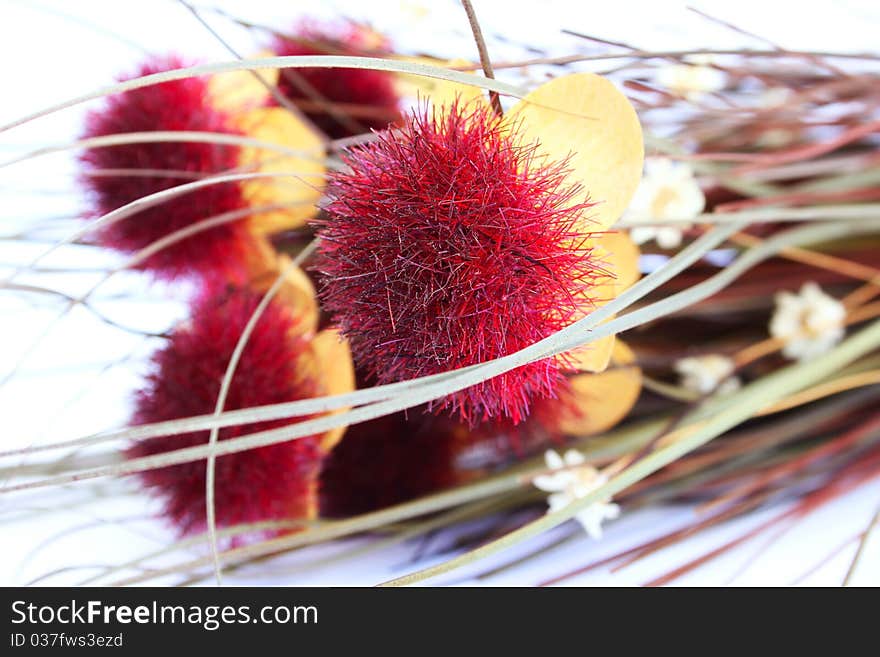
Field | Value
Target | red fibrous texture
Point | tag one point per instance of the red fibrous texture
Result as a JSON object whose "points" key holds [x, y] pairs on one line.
{"points": [[448, 244], [386, 461], [399, 457], [268, 483], [171, 106], [366, 97]]}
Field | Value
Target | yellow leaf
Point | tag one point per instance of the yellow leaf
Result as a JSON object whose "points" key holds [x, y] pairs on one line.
{"points": [[620, 257], [297, 292], [596, 402], [592, 357], [335, 369], [585, 117], [301, 191], [240, 91]]}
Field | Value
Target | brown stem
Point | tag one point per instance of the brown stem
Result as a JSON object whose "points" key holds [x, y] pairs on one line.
{"points": [[484, 53]]}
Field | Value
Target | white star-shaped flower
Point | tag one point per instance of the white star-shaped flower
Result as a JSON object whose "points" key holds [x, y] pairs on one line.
{"points": [[707, 373], [668, 191], [809, 323], [693, 79], [574, 480]]}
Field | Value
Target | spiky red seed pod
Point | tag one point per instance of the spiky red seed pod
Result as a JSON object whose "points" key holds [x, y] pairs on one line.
{"points": [[402, 456], [368, 98], [275, 482], [449, 243], [177, 105]]}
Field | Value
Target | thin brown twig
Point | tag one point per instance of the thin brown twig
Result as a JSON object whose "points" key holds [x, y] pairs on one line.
{"points": [[733, 27], [602, 40], [484, 53], [676, 54], [295, 78]]}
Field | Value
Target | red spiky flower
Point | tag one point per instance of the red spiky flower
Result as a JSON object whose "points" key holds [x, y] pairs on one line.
{"points": [[402, 456], [268, 483], [117, 175], [365, 98], [448, 243]]}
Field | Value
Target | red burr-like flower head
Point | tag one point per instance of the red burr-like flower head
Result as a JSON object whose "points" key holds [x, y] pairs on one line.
{"points": [[363, 99], [386, 461], [402, 456], [278, 365], [448, 243], [117, 175]]}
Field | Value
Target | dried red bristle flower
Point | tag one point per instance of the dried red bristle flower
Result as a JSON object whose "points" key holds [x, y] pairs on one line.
{"points": [[448, 242], [178, 105], [386, 461], [402, 456], [275, 482], [366, 98]]}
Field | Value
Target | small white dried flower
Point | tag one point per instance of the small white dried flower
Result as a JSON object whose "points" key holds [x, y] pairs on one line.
{"points": [[775, 138], [708, 373], [667, 191], [574, 480], [692, 80], [774, 97], [809, 323]]}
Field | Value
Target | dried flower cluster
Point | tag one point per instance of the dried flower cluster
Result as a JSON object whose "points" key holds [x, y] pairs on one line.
{"points": [[452, 236], [456, 237]]}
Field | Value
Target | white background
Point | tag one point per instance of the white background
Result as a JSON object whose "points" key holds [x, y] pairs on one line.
{"points": [[74, 376]]}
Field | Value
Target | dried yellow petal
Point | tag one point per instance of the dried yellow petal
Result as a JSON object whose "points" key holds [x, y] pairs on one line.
{"points": [[596, 402], [335, 369], [300, 191], [585, 118], [439, 92], [620, 257], [240, 91]]}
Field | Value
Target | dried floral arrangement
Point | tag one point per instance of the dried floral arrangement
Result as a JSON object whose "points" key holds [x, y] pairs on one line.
{"points": [[422, 296]]}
